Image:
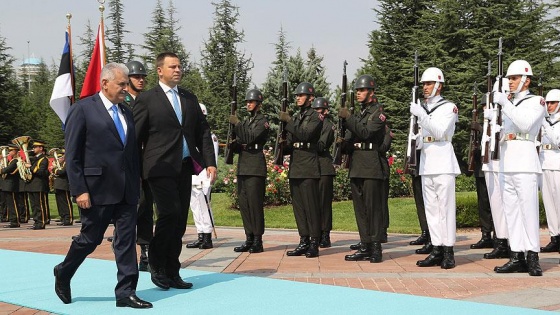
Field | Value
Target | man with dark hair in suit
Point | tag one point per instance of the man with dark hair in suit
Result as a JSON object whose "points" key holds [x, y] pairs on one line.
{"points": [[175, 142], [102, 164]]}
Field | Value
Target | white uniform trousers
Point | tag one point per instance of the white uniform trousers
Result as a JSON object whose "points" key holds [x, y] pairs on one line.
{"points": [[201, 213], [439, 201], [521, 206], [495, 197], [551, 200]]}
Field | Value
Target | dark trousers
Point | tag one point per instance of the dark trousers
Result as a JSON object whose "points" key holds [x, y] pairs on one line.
{"points": [[145, 223], [95, 221], [39, 206], [325, 201], [172, 196], [386, 186], [484, 213], [305, 202], [419, 201], [3, 207], [64, 205], [23, 206], [250, 190], [368, 197], [11, 207]]}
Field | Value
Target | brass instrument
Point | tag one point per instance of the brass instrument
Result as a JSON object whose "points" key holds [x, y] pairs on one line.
{"points": [[55, 153], [4, 160], [22, 142]]}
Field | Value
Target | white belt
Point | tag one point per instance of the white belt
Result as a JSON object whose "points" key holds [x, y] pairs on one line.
{"points": [[549, 146], [519, 136], [429, 139]]}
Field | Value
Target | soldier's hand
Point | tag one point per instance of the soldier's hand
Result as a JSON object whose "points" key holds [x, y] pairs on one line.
{"points": [[233, 119], [344, 113], [416, 109], [284, 116], [475, 125], [339, 140]]}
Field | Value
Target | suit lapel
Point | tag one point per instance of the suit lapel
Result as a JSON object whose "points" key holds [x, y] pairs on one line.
{"points": [[183, 101], [105, 116], [168, 107]]}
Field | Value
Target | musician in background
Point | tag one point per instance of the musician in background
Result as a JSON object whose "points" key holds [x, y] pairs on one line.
{"points": [[62, 192], [38, 187], [3, 207], [10, 186]]}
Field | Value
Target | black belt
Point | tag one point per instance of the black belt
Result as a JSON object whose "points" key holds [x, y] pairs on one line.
{"points": [[302, 145], [365, 146], [252, 146]]}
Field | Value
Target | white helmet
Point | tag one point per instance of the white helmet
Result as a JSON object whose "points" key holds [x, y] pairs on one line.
{"points": [[553, 95], [519, 67], [432, 75], [505, 86], [203, 108]]}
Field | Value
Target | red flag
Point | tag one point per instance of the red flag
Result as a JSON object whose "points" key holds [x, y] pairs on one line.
{"points": [[91, 81]]}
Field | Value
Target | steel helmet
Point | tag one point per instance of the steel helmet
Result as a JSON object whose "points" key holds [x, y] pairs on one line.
{"points": [[364, 82], [136, 68], [203, 108], [254, 95], [320, 102], [305, 88], [505, 86], [432, 74], [553, 95], [519, 67]]}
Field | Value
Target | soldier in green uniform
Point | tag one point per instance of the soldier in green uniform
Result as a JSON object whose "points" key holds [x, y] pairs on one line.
{"points": [[38, 187], [62, 193], [251, 135], [304, 132], [367, 175], [137, 81], [326, 168], [10, 187]]}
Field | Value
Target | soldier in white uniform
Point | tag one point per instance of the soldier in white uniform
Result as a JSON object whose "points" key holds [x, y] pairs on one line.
{"points": [[520, 168], [491, 175], [550, 162], [438, 167], [200, 203]]}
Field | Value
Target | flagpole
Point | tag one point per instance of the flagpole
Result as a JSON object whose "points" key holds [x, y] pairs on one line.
{"points": [[69, 28], [102, 31]]}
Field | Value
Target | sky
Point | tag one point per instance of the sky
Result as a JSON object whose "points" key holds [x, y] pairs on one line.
{"points": [[338, 29]]}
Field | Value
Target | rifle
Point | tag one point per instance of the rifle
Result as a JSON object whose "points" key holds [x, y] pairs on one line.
{"points": [[498, 107], [341, 129], [410, 163], [487, 128], [539, 136], [229, 151], [474, 145], [281, 139]]}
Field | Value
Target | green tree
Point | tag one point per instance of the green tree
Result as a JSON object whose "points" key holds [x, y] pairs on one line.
{"points": [[115, 34], [315, 73], [10, 96], [220, 60]]}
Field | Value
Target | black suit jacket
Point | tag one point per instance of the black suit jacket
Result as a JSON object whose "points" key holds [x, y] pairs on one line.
{"points": [[160, 134], [97, 162]]}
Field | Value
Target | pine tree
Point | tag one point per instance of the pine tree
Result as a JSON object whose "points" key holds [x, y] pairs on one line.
{"points": [[10, 96], [220, 60], [115, 34], [315, 73]]}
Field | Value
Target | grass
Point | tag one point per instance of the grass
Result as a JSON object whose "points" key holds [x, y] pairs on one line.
{"points": [[402, 214]]}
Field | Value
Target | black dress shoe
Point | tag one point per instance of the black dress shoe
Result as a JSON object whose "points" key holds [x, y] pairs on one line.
{"points": [[36, 227], [64, 223], [134, 302], [159, 278], [62, 288], [12, 226], [177, 283]]}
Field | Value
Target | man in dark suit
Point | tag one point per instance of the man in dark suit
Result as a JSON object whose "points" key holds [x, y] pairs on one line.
{"points": [[175, 140], [102, 166]]}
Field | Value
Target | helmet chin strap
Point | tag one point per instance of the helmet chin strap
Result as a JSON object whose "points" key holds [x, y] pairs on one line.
{"points": [[555, 111], [436, 87], [520, 85]]}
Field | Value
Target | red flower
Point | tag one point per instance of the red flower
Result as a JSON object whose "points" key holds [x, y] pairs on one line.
{"points": [[399, 171], [391, 160]]}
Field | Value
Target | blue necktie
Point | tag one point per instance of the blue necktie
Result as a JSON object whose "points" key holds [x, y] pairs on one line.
{"points": [[118, 123], [179, 114]]}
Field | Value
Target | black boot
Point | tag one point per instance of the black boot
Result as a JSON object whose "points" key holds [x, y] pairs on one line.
{"points": [[426, 249], [356, 246], [245, 246], [435, 258], [301, 248], [516, 263], [448, 261], [363, 253], [501, 249], [422, 239], [533, 264], [552, 246], [313, 250], [485, 242], [196, 243], [376, 253], [206, 241], [325, 239], [144, 265], [257, 246]]}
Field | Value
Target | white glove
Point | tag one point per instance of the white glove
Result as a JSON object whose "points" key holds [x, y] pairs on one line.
{"points": [[537, 143], [417, 110], [488, 113], [501, 98], [496, 128], [412, 136]]}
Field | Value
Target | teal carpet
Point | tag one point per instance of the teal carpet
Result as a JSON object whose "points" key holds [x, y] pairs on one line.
{"points": [[26, 279]]}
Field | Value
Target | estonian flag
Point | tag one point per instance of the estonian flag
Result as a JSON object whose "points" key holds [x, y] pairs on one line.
{"points": [[63, 92]]}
